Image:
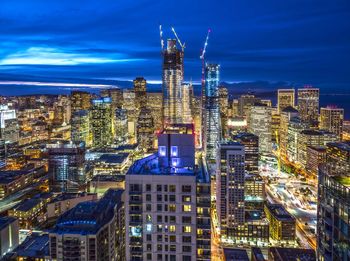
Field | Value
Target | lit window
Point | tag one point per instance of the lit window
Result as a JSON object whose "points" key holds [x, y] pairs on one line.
{"points": [[186, 208], [162, 151], [186, 229], [175, 162], [172, 228], [149, 227], [174, 152]]}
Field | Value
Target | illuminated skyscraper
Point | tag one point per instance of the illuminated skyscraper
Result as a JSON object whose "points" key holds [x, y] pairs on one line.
{"points": [[140, 93], [121, 126], [173, 75], [187, 103], [211, 119], [9, 128], [80, 127], [332, 119], [251, 148], [167, 203], [101, 122], [285, 116], [308, 104], [116, 95], [66, 167], [155, 104], [145, 130], [80, 101], [285, 98], [230, 186], [223, 104]]}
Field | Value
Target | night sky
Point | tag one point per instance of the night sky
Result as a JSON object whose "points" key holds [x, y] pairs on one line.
{"points": [[297, 41]]}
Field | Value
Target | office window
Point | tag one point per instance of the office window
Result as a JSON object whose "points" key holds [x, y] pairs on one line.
{"points": [[172, 228], [172, 219], [186, 229], [148, 187], [162, 151], [159, 197], [186, 198], [186, 248], [149, 247], [149, 256], [172, 188], [159, 207], [172, 198], [148, 197], [186, 239], [159, 219], [172, 208], [186, 220], [172, 248], [175, 162], [159, 188], [149, 237], [159, 247], [186, 188], [148, 207], [174, 151], [166, 188], [186, 208], [172, 238]]}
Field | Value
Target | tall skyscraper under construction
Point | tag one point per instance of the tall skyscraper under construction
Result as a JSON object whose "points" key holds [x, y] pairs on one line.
{"points": [[211, 115], [173, 75]]}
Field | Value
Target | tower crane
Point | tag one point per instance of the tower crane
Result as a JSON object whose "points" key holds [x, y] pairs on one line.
{"points": [[202, 56], [161, 37], [178, 39]]}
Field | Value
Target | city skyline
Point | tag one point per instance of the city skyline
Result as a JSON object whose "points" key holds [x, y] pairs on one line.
{"points": [[296, 42]]}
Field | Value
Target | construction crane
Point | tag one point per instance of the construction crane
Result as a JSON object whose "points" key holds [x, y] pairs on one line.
{"points": [[202, 56], [161, 37], [178, 39]]}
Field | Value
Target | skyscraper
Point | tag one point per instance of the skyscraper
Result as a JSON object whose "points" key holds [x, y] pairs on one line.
{"points": [[167, 203], [121, 126], [211, 119], [286, 115], [91, 231], [308, 104], [140, 93], [260, 125], [223, 104], [80, 127], [116, 95], [230, 186], [173, 75], [187, 103], [9, 128], [145, 130], [251, 148], [285, 98], [80, 101], [333, 242], [66, 167], [102, 122], [332, 119]]}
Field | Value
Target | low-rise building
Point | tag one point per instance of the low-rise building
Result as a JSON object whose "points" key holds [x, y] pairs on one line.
{"points": [[9, 236], [291, 254], [27, 212]]}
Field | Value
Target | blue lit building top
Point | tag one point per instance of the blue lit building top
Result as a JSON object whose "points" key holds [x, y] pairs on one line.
{"points": [[212, 78], [89, 217], [102, 100]]}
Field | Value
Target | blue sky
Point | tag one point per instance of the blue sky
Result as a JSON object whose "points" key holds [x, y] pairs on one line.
{"points": [[299, 41]]}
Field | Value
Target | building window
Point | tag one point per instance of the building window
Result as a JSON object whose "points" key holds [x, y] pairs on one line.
{"points": [[174, 151], [172, 249], [159, 247], [175, 162], [172, 208], [186, 220], [148, 207], [149, 237], [159, 188], [186, 208], [186, 239], [186, 248], [172, 238], [172, 219], [148, 197], [162, 151], [149, 247], [172, 198], [159, 197], [159, 207], [148, 187], [149, 256], [186, 198], [186, 188], [159, 219], [172, 188], [172, 228], [186, 229]]}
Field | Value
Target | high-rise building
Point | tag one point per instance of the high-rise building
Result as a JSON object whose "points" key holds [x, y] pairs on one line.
{"points": [[331, 119], [333, 221], [140, 93], [295, 126], [308, 104], [260, 125], [167, 203], [9, 128], [101, 122], [286, 115], [121, 126], [80, 100], [211, 120], [155, 104], [245, 102], [91, 231], [285, 98], [311, 137], [145, 130], [116, 95], [251, 148], [80, 127], [230, 186], [223, 104], [2, 153], [66, 167], [275, 125], [173, 75], [315, 156], [187, 92]]}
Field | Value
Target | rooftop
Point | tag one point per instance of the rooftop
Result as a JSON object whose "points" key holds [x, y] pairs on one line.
{"points": [[66, 196], [110, 178], [279, 212], [290, 109], [235, 254], [5, 221], [35, 246], [27, 205], [114, 158], [292, 254], [89, 217], [8, 176], [345, 145]]}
